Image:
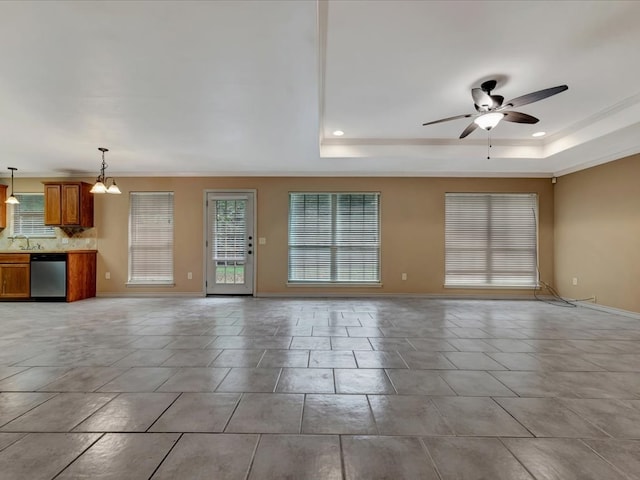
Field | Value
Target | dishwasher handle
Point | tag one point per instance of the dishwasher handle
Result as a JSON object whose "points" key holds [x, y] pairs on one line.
{"points": [[48, 257]]}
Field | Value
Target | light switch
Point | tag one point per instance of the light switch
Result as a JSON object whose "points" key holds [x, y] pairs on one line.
{"points": [[262, 240], [107, 275]]}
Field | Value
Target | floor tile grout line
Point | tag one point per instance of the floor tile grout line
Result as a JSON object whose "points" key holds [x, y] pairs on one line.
{"points": [[253, 456], [176, 370], [264, 352], [501, 439], [373, 415], [583, 417], [165, 455], [94, 412], [533, 435], [55, 394], [275, 386], [490, 372], [162, 413], [223, 379], [443, 417], [427, 453], [614, 466], [304, 404], [233, 412], [343, 469], [439, 373], [100, 436]]}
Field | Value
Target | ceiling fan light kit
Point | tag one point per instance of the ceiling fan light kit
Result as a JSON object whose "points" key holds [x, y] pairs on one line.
{"points": [[488, 120], [491, 109]]}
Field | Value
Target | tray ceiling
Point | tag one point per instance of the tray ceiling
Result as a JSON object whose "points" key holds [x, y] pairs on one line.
{"points": [[258, 87]]}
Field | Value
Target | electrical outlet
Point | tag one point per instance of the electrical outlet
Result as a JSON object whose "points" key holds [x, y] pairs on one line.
{"points": [[574, 281], [404, 276], [189, 275], [107, 275], [65, 240], [262, 240]]}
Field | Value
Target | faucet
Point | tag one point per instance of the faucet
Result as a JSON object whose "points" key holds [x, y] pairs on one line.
{"points": [[26, 237]]}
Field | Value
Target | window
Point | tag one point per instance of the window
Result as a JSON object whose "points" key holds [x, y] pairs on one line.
{"points": [[27, 217], [334, 237], [151, 238], [491, 240]]}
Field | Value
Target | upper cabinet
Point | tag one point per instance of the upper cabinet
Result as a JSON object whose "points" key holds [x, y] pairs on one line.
{"points": [[68, 204], [3, 207]]}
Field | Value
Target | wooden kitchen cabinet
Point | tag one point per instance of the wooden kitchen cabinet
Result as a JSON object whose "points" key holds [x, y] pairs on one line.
{"points": [[81, 274], [15, 276], [3, 207], [68, 204]]}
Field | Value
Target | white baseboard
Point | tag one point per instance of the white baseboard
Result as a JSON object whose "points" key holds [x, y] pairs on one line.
{"points": [[150, 294], [615, 311], [442, 296]]}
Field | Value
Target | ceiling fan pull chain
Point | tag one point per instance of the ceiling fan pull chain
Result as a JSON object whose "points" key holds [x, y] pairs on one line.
{"points": [[489, 146]]}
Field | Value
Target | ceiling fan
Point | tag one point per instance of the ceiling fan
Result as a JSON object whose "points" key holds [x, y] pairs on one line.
{"points": [[490, 109]]}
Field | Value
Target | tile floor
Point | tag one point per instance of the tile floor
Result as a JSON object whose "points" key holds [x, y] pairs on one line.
{"points": [[244, 388]]}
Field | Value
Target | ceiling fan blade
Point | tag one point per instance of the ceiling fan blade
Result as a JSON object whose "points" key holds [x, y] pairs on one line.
{"points": [[482, 100], [497, 100], [448, 118], [535, 96], [518, 117], [472, 126]]}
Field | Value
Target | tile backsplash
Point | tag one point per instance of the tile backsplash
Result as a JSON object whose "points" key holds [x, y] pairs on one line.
{"points": [[83, 240]]}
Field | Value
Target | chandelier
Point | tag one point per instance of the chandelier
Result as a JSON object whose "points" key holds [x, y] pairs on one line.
{"points": [[101, 182]]}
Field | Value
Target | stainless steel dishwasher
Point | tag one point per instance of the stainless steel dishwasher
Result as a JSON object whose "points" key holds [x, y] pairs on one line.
{"points": [[49, 277]]}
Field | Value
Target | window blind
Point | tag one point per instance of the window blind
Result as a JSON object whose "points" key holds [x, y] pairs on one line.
{"points": [[27, 217], [334, 237], [491, 240], [151, 237]]}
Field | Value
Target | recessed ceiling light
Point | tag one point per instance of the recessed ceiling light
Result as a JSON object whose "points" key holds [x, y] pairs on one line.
{"points": [[338, 133], [539, 134]]}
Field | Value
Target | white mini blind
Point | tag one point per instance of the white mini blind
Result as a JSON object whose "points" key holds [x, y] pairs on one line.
{"points": [[334, 237], [491, 240], [151, 237], [27, 217]]}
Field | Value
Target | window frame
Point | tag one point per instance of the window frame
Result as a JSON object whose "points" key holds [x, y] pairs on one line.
{"points": [[137, 279], [332, 243], [495, 278], [14, 222]]}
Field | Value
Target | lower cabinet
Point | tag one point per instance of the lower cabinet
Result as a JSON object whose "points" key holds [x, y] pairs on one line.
{"points": [[81, 274], [15, 276]]}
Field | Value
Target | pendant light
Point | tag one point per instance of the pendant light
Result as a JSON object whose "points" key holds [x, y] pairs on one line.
{"points": [[12, 200], [101, 182]]}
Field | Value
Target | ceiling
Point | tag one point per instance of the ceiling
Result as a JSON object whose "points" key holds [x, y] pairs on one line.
{"points": [[258, 87]]}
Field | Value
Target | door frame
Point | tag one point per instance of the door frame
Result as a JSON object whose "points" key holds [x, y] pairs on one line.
{"points": [[205, 232]]}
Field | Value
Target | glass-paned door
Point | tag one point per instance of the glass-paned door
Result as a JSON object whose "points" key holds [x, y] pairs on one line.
{"points": [[230, 243]]}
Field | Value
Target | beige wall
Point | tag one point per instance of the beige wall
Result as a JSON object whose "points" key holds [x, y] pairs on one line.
{"points": [[412, 214], [597, 234], [412, 218]]}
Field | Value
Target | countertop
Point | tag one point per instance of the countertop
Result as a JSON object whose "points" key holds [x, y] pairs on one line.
{"points": [[48, 251]]}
